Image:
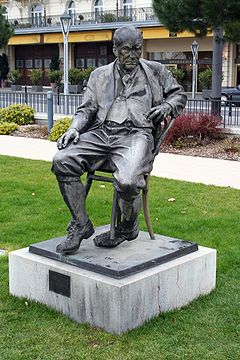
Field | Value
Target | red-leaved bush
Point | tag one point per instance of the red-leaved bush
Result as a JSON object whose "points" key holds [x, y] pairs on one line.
{"points": [[196, 125]]}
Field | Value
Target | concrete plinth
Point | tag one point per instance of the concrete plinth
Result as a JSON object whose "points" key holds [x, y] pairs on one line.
{"points": [[115, 305]]}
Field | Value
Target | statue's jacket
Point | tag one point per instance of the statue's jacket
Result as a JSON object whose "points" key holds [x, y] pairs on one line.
{"points": [[99, 95]]}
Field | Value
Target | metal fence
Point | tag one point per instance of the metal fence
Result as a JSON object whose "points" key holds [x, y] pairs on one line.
{"points": [[62, 104], [67, 105], [229, 111]]}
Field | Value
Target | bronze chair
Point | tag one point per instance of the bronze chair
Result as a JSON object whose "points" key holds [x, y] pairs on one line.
{"points": [[159, 136], [116, 213]]}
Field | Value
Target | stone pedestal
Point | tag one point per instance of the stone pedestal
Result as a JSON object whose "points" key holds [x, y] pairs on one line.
{"points": [[112, 299]]}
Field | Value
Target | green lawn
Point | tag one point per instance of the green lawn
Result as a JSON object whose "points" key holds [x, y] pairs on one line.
{"points": [[32, 210]]}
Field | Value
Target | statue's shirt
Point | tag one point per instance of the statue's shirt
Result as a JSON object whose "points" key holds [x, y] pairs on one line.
{"points": [[133, 97]]}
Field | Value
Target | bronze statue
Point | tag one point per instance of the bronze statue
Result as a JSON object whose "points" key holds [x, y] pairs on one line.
{"points": [[123, 103]]}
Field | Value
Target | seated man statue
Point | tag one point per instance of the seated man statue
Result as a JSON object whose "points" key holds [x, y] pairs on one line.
{"points": [[123, 104]]}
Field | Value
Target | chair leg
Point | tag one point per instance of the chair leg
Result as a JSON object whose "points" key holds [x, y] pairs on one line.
{"points": [[88, 183], [146, 209], [119, 215], [114, 215]]}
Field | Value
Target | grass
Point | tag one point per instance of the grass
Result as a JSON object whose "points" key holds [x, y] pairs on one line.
{"points": [[31, 210]]}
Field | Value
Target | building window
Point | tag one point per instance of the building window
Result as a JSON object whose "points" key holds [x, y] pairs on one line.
{"points": [[38, 63], [72, 11], [103, 50], [47, 63], [171, 57], [5, 12], [19, 64], [98, 9], [127, 8], [80, 63], [102, 61], [37, 15], [28, 64], [91, 62]]}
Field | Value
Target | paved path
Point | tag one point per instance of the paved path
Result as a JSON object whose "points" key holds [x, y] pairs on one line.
{"points": [[27, 148], [179, 167], [198, 169]]}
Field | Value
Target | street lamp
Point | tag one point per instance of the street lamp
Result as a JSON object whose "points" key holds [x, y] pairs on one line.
{"points": [[194, 48], [65, 21], [117, 8]]}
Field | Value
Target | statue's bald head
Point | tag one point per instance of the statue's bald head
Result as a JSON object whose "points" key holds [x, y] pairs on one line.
{"points": [[127, 32], [127, 46]]}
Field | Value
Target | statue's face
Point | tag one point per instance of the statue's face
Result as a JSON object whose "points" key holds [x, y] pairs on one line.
{"points": [[129, 52]]}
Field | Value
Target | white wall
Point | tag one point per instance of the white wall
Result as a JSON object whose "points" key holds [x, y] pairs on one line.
{"points": [[54, 7]]}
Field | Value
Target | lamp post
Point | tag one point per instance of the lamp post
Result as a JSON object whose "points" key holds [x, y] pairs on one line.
{"points": [[65, 21], [117, 8], [194, 48]]}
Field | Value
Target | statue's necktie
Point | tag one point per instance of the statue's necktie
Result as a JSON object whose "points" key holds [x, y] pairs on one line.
{"points": [[127, 80], [119, 111]]}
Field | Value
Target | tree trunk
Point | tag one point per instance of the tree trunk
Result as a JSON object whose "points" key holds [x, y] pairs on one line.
{"points": [[217, 70]]}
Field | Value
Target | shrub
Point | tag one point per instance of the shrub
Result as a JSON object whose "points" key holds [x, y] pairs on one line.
{"points": [[108, 17], [205, 78], [7, 128], [75, 76], [59, 128], [18, 113], [86, 72], [124, 18], [55, 76], [232, 145], [14, 76], [196, 126], [178, 74], [35, 76]]}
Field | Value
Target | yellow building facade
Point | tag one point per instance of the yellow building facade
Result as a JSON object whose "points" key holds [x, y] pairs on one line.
{"points": [[38, 38]]}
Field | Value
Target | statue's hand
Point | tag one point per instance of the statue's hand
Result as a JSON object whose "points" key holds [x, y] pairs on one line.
{"points": [[159, 113], [71, 134]]}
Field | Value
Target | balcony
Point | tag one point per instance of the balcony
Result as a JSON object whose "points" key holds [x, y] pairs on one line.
{"points": [[81, 21]]}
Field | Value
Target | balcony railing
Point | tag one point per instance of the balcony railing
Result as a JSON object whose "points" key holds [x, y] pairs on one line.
{"points": [[78, 19]]}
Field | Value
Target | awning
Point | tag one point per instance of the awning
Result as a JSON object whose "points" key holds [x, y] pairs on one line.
{"points": [[81, 36], [24, 39], [163, 33]]}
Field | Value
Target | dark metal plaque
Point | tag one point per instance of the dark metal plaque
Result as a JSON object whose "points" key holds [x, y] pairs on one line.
{"points": [[59, 283]]}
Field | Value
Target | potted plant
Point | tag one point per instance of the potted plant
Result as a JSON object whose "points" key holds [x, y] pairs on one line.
{"points": [[108, 18], [75, 78], [86, 72], [178, 74], [205, 80], [85, 75], [81, 18], [55, 78], [14, 77], [35, 78]]}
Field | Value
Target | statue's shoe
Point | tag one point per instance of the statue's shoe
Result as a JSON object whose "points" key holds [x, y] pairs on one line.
{"points": [[123, 233], [76, 233]]}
